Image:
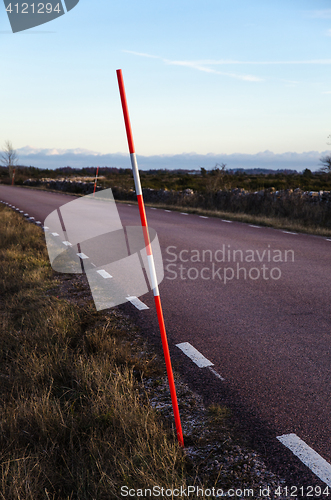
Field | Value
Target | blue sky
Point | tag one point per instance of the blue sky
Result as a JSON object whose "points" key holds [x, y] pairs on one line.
{"points": [[209, 76]]}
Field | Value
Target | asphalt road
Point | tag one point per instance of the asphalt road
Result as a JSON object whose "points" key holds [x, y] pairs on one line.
{"points": [[267, 329]]}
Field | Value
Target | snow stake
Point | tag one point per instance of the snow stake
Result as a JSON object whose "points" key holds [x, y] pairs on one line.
{"points": [[150, 258], [95, 182]]}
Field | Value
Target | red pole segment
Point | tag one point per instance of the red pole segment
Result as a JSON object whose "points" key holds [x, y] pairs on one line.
{"points": [[150, 258]]}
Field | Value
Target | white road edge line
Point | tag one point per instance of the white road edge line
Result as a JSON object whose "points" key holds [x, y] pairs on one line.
{"points": [[137, 303], [288, 232], [252, 225], [328, 239], [229, 221], [320, 467], [194, 355]]}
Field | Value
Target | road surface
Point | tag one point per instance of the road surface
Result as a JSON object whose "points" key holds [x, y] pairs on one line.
{"points": [[256, 303]]}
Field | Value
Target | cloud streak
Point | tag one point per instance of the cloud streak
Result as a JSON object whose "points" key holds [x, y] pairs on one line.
{"points": [[321, 14], [208, 65], [199, 66]]}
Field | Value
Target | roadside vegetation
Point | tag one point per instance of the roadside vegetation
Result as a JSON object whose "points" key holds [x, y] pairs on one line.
{"points": [[74, 422], [201, 180], [288, 200]]}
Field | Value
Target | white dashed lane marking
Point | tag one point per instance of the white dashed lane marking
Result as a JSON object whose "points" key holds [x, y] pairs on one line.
{"points": [[320, 467], [168, 211], [55, 234], [229, 221], [183, 213], [67, 243], [203, 217], [199, 359], [215, 373], [104, 273], [288, 232], [194, 355], [82, 256], [252, 225], [137, 303]]}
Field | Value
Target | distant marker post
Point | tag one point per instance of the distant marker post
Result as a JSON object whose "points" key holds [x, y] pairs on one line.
{"points": [[13, 178], [95, 182], [150, 258]]}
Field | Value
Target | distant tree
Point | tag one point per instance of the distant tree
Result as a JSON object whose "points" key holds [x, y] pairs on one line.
{"points": [[326, 162], [9, 157], [307, 173]]}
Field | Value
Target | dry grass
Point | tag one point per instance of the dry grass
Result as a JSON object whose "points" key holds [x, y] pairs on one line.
{"points": [[73, 423], [285, 223]]}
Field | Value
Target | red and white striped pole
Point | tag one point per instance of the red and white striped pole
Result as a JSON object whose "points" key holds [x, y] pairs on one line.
{"points": [[150, 258], [95, 182]]}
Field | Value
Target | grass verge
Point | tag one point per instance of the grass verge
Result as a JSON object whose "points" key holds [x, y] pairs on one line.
{"points": [[73, 422], [261, 220], [85, 403]]}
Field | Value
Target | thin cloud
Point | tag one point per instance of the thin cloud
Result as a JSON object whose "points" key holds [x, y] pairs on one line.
{"points": [[141, 54], [229, 61], [321, 14], [208, 65], [199, 66]]}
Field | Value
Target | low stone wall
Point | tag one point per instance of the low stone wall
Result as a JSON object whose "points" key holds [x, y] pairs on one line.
{"points": [[64, 185]]}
